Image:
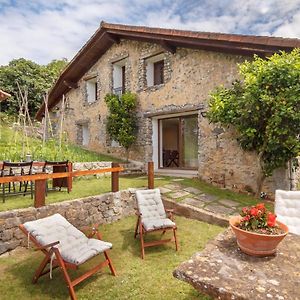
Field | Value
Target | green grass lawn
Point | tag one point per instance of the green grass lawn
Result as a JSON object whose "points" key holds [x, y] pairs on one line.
{"points": [[137, 279], [88, 186], [82, 187]]}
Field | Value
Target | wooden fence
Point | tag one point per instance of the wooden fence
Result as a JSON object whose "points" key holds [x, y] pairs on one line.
{"points": [[41, 178]]}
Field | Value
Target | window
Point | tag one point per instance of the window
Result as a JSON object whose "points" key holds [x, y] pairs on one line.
{"points": [[155, 70], [158, 77], [119, 77], [92, 90]]}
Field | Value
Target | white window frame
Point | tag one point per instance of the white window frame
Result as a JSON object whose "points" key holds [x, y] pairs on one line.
{"points": [[91, 85], [150, 67]]}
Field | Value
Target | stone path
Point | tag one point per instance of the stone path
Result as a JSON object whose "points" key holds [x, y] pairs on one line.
{"points": [[197, 198]]}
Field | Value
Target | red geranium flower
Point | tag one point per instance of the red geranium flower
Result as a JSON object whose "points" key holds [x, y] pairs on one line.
{"points": [[245, 210], [246, 218], [257, 218], [271, 221], [260, 206], [254, 211]]}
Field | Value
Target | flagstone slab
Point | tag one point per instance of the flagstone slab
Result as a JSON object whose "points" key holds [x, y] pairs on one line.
{"points": [[220, 209], [206, 198], [164, 190], [177, 179], [178, 194], [193, 202], [229, 203], [223, 272], [192, 190], [173, 186]]}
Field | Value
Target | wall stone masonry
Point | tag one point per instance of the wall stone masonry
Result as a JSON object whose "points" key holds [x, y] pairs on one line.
{"points": [[101, 209], [190, 75]]}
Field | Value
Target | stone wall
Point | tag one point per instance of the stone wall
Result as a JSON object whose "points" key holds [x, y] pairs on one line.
{"points": [[105, 208], [190, 75]]}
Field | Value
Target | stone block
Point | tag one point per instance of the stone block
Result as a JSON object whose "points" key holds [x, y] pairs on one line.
{"points": [[206, 198], [164, 190], [7, 235], [192, 190], [12, 222], [220, 209], [3, 247], [229, 203], [178, 194], [193, 202]]}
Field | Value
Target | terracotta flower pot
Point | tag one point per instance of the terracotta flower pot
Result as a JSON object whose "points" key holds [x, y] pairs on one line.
{"points": [[254, 243]]}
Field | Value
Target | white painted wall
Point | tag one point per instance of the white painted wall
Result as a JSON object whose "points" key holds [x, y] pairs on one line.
{"points": [[85, 135]]}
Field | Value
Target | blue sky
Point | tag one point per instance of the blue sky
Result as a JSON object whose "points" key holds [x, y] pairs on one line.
{"points": [[42, 30]]}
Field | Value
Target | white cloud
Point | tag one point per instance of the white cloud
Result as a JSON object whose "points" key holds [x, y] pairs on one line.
{"points": [[43, 30]]}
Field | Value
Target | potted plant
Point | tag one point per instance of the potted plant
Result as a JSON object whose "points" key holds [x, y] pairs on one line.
{"points": [[257, 231]]}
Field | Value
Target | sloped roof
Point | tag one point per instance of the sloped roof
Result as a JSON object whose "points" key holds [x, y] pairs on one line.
{"points": [[4, 95], [169, 39]]}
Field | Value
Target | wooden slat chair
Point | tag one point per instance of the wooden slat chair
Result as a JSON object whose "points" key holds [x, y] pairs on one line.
{"points": [[287, 209], [152, 217], [16, 169], [60, 167], [66, 247]]}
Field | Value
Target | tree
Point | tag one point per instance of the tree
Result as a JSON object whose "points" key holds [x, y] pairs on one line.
{"points": [[264, 108], [122, 121], [37, 79]]}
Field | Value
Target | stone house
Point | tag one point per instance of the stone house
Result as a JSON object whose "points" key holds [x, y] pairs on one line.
{"points": [[172, 73]]}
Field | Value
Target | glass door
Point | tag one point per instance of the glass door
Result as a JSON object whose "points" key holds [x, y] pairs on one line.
{"points": [[179, 142], [190, 142]]}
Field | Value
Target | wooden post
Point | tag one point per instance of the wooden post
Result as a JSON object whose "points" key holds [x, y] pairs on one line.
{"points": [[114, 178], [150, 175], [70, 178], [40, 193]]}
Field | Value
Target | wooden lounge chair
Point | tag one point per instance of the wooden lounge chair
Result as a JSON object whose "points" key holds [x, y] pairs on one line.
{"points": [[287, 209], [65, 247], [152, 217]]}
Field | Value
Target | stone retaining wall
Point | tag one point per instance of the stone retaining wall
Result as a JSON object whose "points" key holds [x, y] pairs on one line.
{"points": [[105, 208]]}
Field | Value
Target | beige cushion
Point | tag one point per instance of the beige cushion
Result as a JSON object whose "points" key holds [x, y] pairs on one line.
{"points": [[152, 210], [73, 245], [287, 209]]}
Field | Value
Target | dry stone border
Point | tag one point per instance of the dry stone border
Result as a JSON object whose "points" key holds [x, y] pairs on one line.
{"points": [[104, 208]]}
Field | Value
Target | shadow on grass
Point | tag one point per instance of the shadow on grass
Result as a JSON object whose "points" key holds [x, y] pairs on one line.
{"points": [[55, 288], [134, 244]]}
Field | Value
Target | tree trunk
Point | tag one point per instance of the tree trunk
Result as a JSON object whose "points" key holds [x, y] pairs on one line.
{"points": [[127, 154], [261, 177], [260, 182]]}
